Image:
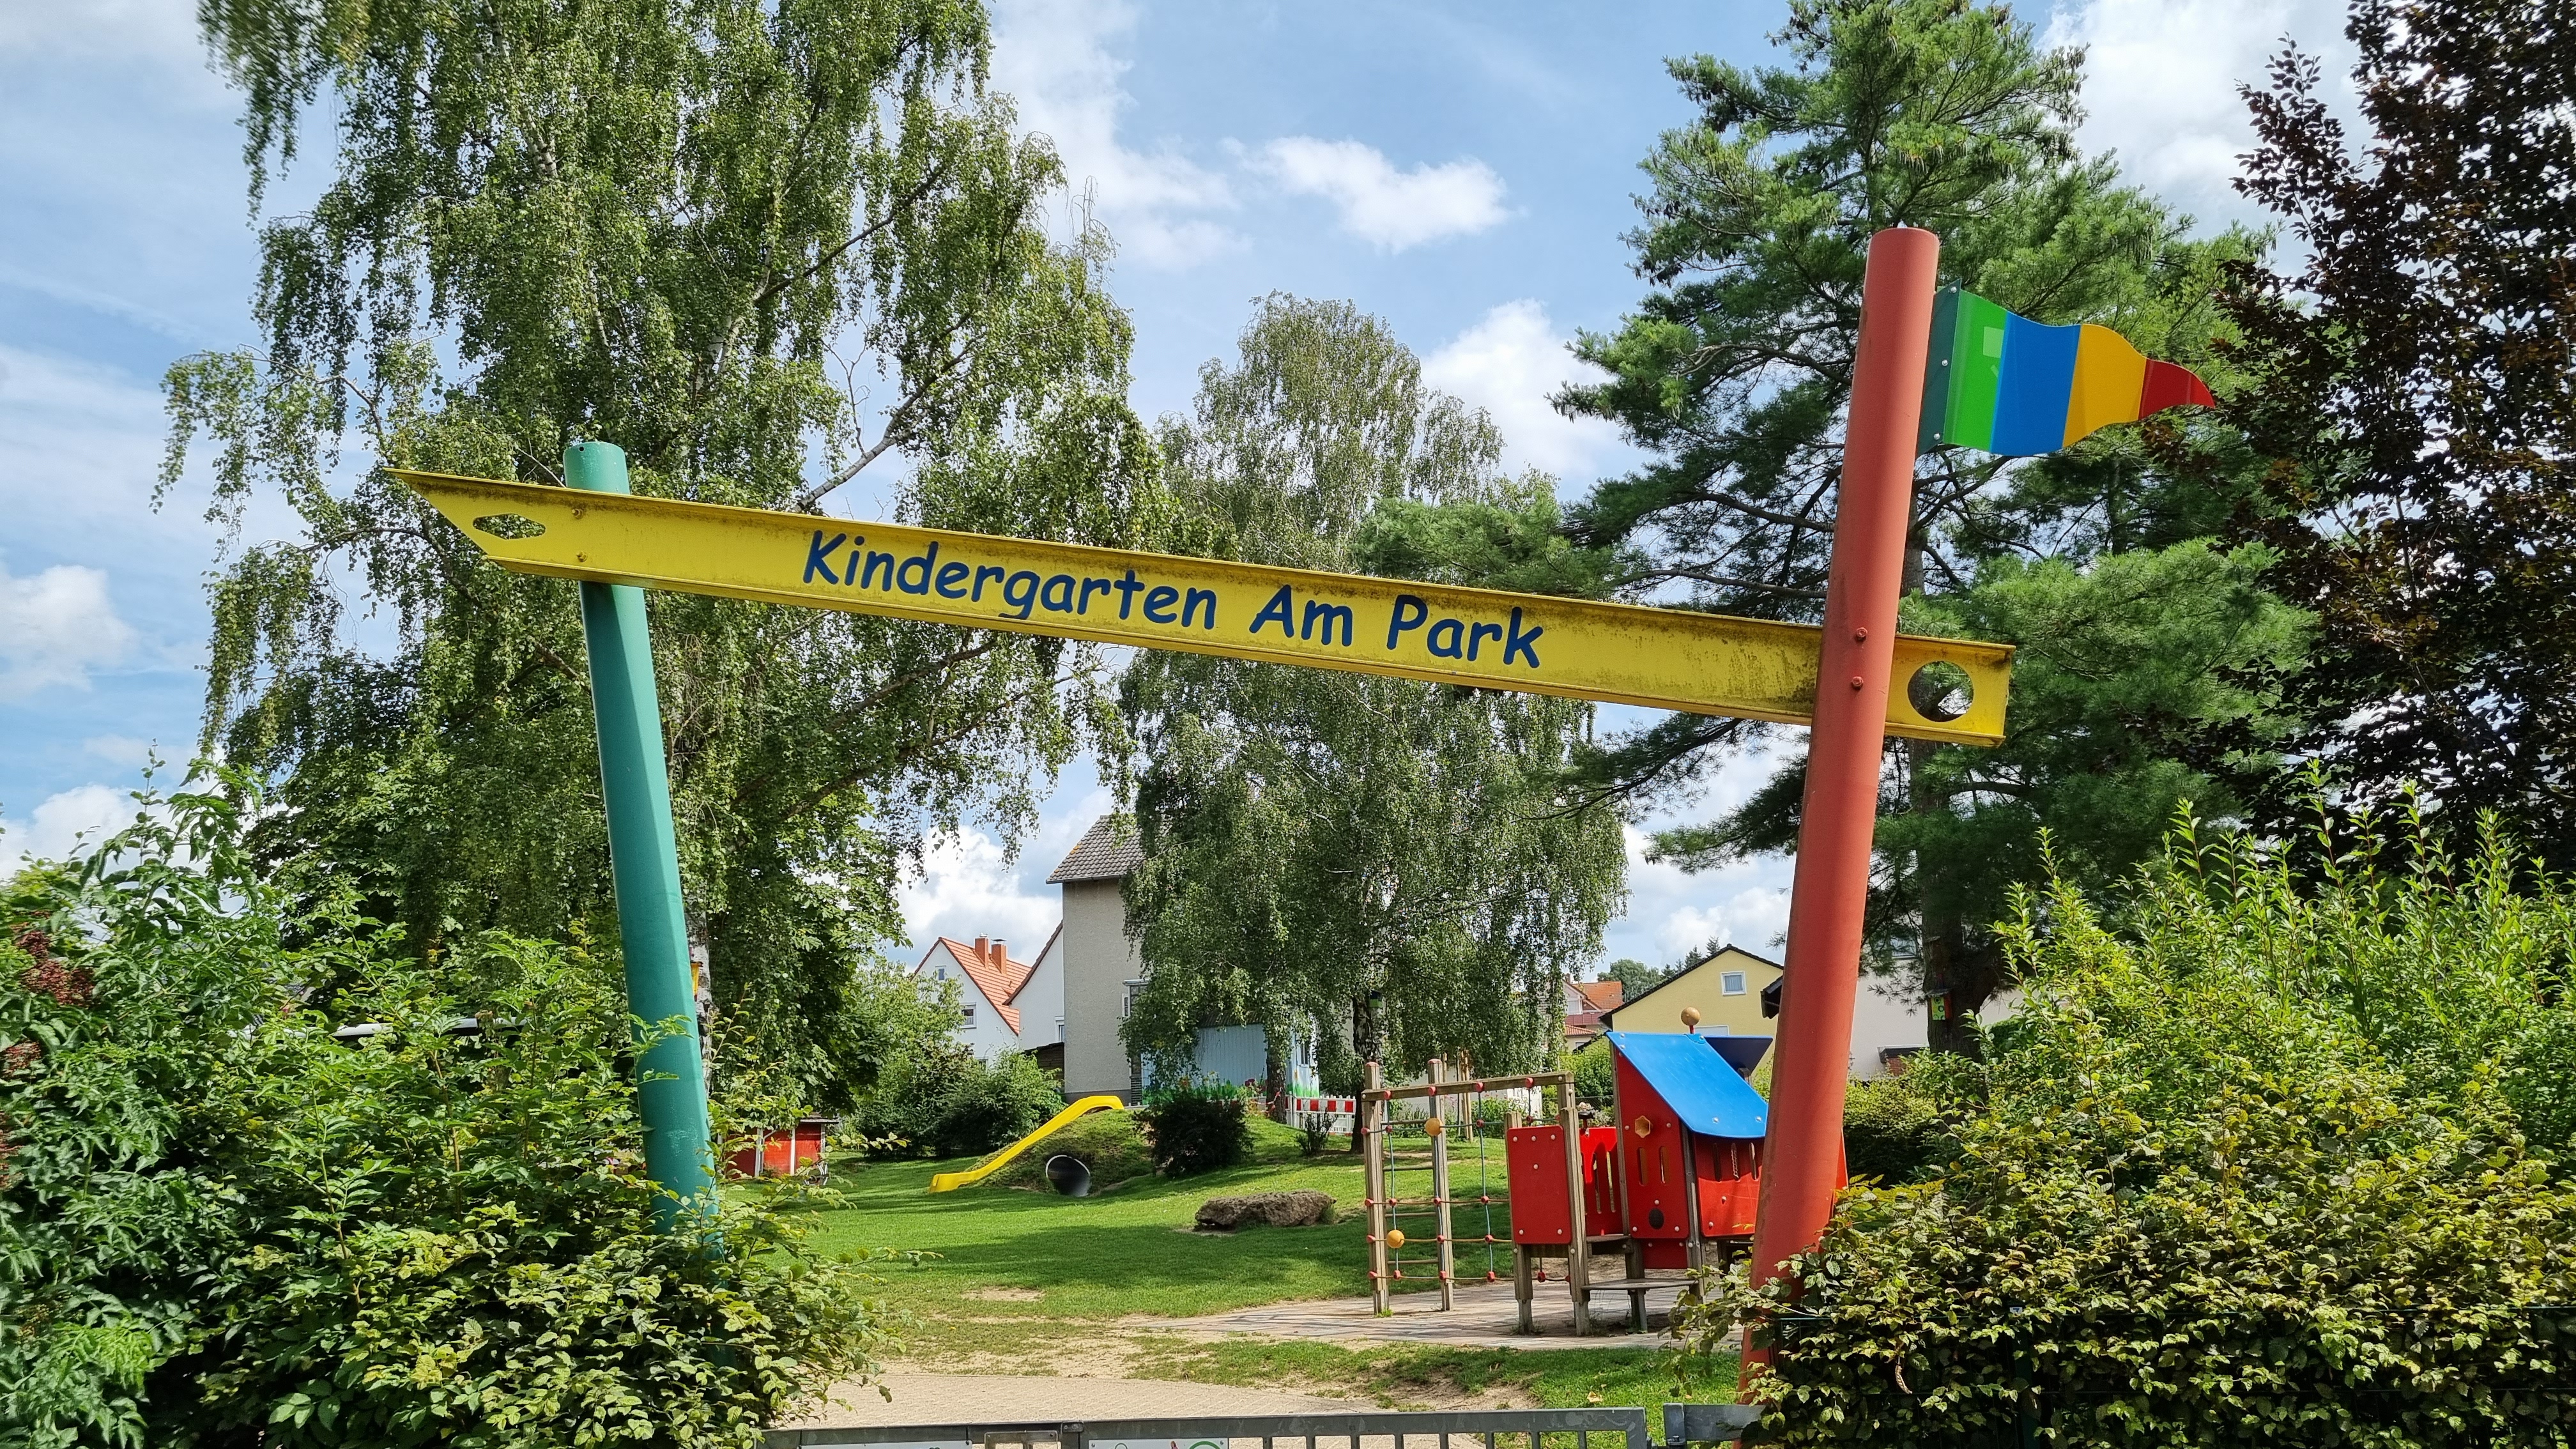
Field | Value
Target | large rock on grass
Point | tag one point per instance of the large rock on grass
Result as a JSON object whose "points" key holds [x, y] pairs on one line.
{"points": [[1278, 1209]]}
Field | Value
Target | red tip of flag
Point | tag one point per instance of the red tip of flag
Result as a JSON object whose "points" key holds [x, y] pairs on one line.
{"points": [[2172, 386]]}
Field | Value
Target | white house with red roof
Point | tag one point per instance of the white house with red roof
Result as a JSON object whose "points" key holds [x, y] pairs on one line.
{"points": [[1009, 1005]]}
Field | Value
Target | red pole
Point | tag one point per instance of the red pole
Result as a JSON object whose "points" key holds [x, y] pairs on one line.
{"points": [[1802, 1163]]}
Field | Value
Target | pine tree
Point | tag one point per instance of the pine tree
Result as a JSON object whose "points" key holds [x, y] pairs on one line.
{"points": [[2137, 687]]}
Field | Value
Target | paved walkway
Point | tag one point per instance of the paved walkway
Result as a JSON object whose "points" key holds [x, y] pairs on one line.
{"points": [[1485, 1317], [932, 1399]]}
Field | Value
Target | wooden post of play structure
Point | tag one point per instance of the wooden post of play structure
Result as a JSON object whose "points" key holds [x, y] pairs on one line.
{"points": [[1802, 1158], [1373, 1161], [1578, 1247], [1439, 1126]]}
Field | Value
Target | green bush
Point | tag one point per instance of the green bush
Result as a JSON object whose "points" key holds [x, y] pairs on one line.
{"points": [[2215, 1192], [1893, 1133], [223, 1225], [945, 1102], [1596, 1074], [1193, 1128], [1110, 1143], [1896, 1128]]}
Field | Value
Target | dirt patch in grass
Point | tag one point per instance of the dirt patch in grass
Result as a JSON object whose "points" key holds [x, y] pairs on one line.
{"points": [[1404, 1376]]}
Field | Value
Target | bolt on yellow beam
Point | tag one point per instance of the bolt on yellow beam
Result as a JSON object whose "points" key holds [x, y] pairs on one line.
{"points": [[1533, 643]]}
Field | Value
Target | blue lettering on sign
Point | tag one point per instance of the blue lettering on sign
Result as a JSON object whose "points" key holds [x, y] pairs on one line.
{"points": [[1282, 610], [922, 561], [1519, 643], [1024, 591], [1399, 621], [818, 557]]}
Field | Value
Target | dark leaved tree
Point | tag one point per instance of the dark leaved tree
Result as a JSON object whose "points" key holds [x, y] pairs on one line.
{"points": [[2416, 387]]}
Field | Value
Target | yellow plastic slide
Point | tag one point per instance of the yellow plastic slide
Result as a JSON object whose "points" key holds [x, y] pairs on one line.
{"points": [[950, 1181]]}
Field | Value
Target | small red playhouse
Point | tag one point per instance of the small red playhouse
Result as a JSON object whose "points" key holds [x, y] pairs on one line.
{"points": [[1672, 1182]]}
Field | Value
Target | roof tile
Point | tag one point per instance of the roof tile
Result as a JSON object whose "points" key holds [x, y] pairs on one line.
{"points": [[1107, 851]]}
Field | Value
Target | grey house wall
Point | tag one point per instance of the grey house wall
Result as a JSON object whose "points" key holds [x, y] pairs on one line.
{"points": [[1099, 961]]}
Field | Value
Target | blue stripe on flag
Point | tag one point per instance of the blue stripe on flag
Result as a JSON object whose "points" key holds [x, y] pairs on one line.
{"points": [[2038, 377]]}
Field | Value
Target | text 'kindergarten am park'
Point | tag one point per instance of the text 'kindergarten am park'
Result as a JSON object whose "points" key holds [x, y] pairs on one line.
{"points": [[845, 559]]}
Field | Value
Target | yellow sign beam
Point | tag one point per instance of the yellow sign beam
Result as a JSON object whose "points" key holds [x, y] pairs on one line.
{"points": [[1533, 643]]}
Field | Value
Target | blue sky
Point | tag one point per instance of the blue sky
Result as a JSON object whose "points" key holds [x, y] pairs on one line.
{"points": [[1463, 170]]}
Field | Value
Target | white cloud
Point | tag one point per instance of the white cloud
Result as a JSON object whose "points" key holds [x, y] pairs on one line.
{"points": [[1745, 903], [964, 888], [159, 30], [123, 750], [57, 825], [1671, 910], [2161, 78], [1509, 364], [1053, 58], [56, 627], [1381, 205]]}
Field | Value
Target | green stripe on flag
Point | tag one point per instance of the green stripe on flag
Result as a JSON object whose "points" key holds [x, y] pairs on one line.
{"points": [[1976, 372]]}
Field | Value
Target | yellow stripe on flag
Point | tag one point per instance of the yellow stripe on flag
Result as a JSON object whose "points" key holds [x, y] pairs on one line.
{"points": [[2109, 376]]}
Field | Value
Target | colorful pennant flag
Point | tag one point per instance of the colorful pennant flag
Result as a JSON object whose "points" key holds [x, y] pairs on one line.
{"points": [[2003, 383]]}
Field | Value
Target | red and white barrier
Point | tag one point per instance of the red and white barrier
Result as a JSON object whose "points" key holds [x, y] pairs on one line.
{"points": [[1300, 1108]]}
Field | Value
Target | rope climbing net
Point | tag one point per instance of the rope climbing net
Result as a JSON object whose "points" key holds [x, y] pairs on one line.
{"points": [[1388, 1151]]}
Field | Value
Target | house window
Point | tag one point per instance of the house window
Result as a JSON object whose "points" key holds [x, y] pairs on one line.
{"points": [[1732, 983], [970, 1016]]}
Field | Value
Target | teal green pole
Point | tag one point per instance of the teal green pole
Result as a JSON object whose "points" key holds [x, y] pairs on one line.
{"points": [[644, 858]]}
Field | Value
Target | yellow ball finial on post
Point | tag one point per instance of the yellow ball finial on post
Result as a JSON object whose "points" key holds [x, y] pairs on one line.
{"points": [[1690, 1018]]}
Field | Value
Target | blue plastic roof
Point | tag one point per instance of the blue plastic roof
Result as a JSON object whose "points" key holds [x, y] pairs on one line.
{"points": [[1696, 1082]]}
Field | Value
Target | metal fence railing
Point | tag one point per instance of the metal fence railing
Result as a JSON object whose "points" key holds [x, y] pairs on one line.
{"points": [[1584, 1428]]}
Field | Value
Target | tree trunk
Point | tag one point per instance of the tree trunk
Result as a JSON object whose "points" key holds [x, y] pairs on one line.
{"points": [[1963, 975], [1364, 1042], [1275, 1040]]}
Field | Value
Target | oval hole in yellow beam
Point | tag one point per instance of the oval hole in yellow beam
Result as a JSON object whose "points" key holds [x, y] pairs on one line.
{"points": [[510, 525], [1940, 691]]}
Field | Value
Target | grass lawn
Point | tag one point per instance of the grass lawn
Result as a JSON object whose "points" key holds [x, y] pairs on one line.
{"points": [[1011, 1276], [1128, 1250]]}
